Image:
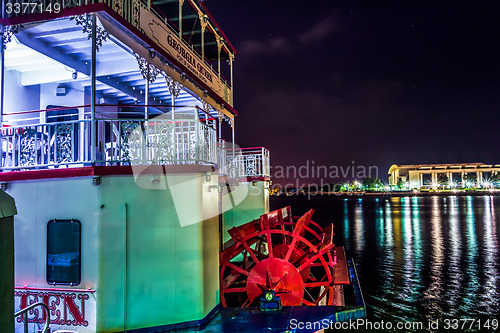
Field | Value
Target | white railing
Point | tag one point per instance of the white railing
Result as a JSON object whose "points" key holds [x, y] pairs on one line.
{"points": [[45, 145], [248, 162], [221, 157], [119, 142], [163, 141]]}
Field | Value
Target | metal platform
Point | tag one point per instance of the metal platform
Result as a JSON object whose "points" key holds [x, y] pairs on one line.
{"points": [[250, 319]]}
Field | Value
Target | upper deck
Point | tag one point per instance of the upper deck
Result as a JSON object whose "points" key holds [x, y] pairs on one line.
{"points": [[201, 52], [117, 82]]}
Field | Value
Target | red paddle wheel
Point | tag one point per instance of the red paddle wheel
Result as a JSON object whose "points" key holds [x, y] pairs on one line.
{"points": [[293, 257]]}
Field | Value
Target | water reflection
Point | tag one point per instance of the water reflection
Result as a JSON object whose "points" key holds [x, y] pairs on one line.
{"points": [[416, 249], [379, 224], [432, 294], [407, 294], [488, 301], [358, 226], [471, 277], [347, 244], [435, 256], [452, 293], [423, 257]]}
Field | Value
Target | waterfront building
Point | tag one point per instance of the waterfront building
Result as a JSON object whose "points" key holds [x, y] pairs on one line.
{"points": [[444, 175], [114, 115]]}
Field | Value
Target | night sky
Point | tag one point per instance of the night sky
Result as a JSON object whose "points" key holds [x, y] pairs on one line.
{"points": [[373, 82]]}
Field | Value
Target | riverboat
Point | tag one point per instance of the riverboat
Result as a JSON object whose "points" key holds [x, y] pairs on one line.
{"points": [[136, 210]]}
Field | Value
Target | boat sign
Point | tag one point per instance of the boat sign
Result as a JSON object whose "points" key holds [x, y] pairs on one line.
{"points": [[158, 31]]}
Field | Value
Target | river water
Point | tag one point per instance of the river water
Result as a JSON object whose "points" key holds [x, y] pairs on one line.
{"points": [[418, 258]]}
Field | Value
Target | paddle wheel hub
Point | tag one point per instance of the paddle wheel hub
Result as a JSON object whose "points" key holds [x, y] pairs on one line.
{"points": [[278, 275]]}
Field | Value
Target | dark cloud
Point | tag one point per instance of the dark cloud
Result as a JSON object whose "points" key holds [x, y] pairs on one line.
{"points": [[317, 33]]}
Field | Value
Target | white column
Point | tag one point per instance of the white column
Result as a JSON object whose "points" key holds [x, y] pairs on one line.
{"points": [[93, 90], [2, 85], [433, 178], [146, 95], [181, 2]]}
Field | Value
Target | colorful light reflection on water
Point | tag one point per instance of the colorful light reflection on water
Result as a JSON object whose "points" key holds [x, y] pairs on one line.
{"points": [[418, 258]]}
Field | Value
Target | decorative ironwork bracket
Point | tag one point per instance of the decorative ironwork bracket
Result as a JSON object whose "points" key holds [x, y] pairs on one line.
{"points": [[8, 31], [173, 86], [220, 42], [203, 20], [206, 106], [149, 72], [86, 22], [222, 117]]}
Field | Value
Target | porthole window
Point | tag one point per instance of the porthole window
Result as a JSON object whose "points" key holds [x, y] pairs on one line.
{"points": [[64, 252]]}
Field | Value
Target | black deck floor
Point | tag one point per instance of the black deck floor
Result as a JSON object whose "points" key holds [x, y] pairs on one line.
{"points": [[239, 320]]}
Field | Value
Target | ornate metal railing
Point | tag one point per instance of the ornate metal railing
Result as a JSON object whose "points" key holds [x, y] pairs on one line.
{"points": [[119, 142], [24, 313], [248, 162]]}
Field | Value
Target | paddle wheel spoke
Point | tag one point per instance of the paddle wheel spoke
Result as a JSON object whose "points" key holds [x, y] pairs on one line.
{"points": [[236, 268], [316, 284], [323, 294]]}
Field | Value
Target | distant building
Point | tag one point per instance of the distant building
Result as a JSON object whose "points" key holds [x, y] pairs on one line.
{"points": [[454, 175]]}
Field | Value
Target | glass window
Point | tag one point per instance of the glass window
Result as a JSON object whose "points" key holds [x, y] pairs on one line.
{"points": [[63, 252]]}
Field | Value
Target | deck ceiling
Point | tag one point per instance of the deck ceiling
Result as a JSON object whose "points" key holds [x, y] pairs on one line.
{"points": [[51, 51]]}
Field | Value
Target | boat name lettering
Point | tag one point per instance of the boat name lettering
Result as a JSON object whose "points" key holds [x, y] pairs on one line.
{"points": [[173, 43], [66, 308]]}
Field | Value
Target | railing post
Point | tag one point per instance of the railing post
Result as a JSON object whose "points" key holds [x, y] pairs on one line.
{"points": [[231, 59], [181, 2], [196, 141], [25, 321], [219, 40], [263, 161], [24, 313], [203, 22], [146, 96], [93, 131]]}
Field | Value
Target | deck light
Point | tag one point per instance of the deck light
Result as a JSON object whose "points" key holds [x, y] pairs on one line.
{"points": [[96, 180], [270, 302], [60, 91], [208, 177]]}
